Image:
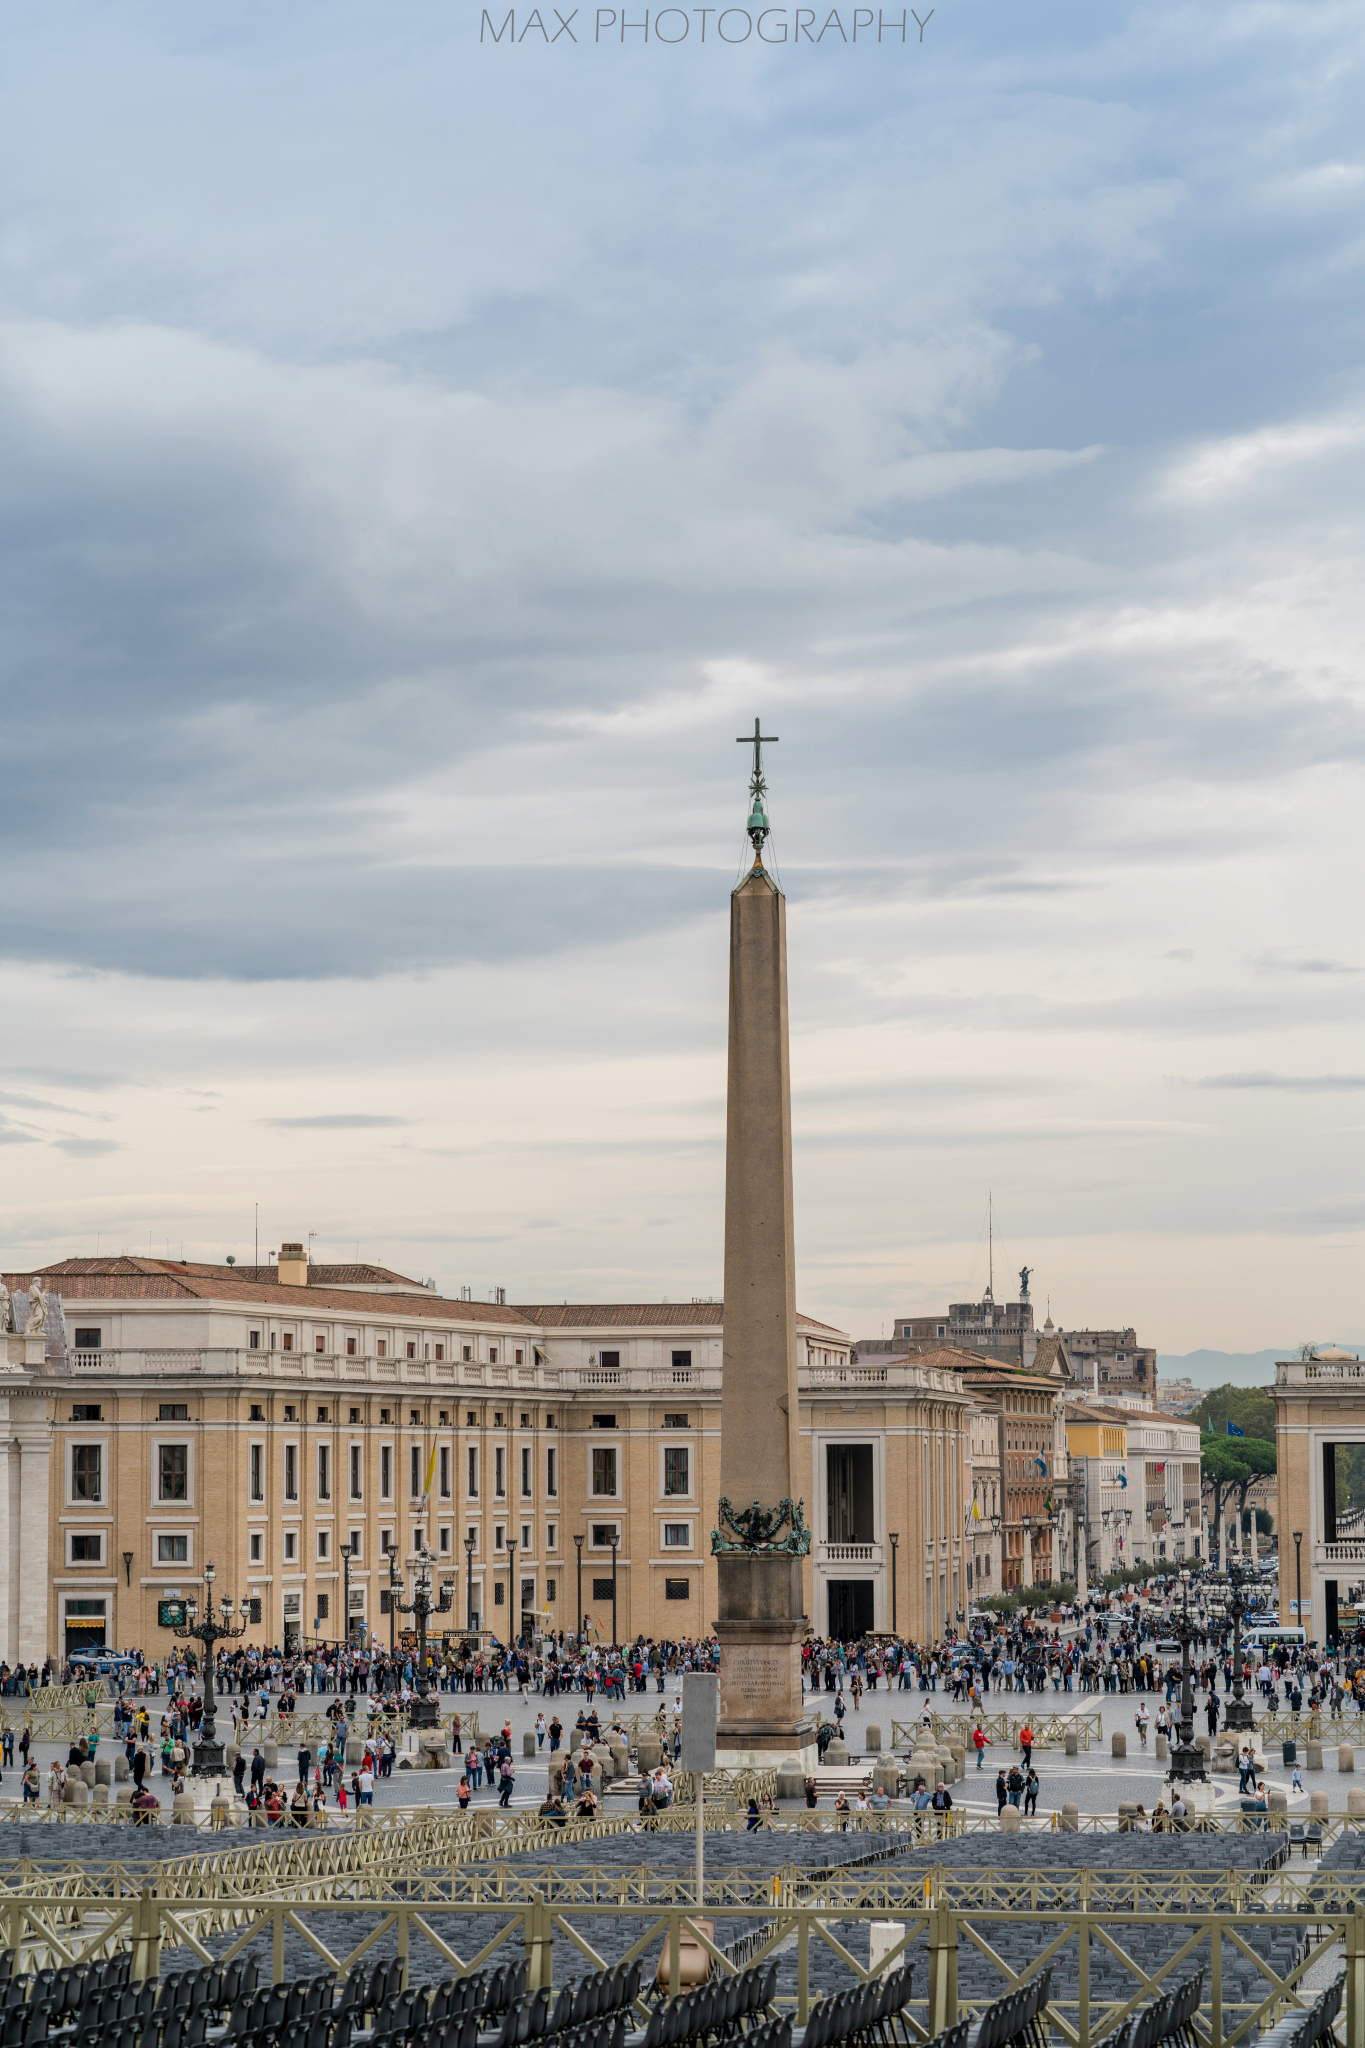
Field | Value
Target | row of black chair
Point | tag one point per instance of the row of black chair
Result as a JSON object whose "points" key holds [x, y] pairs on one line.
{"points": [[862, 2015], [1016, 2018], [1167, 2018], [712, 2011], [1300, 2029]]}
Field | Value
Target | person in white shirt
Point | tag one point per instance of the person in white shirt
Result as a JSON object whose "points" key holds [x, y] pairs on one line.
{"points": [[367, 1784]]}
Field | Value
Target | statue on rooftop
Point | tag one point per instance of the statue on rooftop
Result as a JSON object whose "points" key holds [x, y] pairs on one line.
{"points": [[1025, 1275], [37, 1309]]}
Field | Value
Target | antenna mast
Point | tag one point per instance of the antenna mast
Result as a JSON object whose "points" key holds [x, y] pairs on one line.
{"points": [[990, 1268]]}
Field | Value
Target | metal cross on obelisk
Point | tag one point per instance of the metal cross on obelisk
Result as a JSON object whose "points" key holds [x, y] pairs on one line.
{"points": [[757, 827]]}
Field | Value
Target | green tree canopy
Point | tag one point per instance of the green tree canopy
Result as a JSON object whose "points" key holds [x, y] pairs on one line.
{"points": [[1250, 1408]]}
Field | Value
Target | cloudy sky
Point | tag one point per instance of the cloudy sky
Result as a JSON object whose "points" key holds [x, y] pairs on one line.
{"points": [[421, 457]]}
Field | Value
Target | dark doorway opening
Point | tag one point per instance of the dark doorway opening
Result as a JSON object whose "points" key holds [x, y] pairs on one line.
{"points": [[850, 1609], [848, 1487]]}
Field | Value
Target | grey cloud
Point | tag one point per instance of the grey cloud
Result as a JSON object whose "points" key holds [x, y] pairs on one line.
{"points": [[86, 1148], [1312, 1083], [339, 1122]]}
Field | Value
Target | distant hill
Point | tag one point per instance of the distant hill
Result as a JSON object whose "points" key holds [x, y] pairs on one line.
{"points": [[1222, 1368]]}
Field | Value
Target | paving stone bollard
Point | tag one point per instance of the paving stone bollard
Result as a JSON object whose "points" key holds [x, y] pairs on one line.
{"points": [[1009, 1820], [1314, 1756], [837, 1753], [88, 1773], [650, 1752], [1163, 1750], [528, 1743], [1318, 1803], [1355, 1800], [104, 1771], [121, 1771], [1277, 1799], [575, 1740], [1118, 1743], [1072, 1742], [1127, 1808], [872, 1741], [1346, 1757], [355, 1751], [76, 1792], [100, 1794], [1070, 1818], [123, 1796], [182, 1810], [271, 1752], [220, 1813]]}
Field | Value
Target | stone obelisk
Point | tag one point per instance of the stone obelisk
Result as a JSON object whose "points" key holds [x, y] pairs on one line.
{"points": [[761, 1540]]}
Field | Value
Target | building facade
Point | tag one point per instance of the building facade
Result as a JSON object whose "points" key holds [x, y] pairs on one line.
{"points": [[1319, 1437], [310, 1427], [1030, 1411], [1110, 1365]]}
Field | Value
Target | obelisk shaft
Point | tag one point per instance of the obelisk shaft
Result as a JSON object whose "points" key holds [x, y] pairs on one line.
{"points": [[761, 1622], [759, 1455]]}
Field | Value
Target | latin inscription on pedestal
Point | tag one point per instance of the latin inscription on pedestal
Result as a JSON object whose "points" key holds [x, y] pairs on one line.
{"points": [[759, 1682]]}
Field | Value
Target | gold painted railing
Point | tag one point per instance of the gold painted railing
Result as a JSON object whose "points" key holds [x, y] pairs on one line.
{"points": [[1050, 1730], [40, 1929]]}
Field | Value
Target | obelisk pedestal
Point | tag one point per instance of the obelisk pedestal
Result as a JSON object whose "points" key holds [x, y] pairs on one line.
{"points": [[761, 1541]]}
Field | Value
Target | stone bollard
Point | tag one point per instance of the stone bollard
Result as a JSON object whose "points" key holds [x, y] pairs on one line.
{"points": [[1355, 1800], [1205, 1747], [1163, 1750], [123, 1796], [1070, 1818], [182, 1810], [1277, 1799], [1009, 1820], [837, 1753], [1317, 1804], [575, 1740], [1072, 1743], [121, 1771], [230, 1755], [886, 1777], [220, 1812], [1346, 1757], [76, 1792], [1118, 1743], [100, 1794], [791, 1783], [650, 1752], [104, 1771], [872, 1740], [88, 1773], [271, 1753], [528, 1743], [1127, 1808], [1314, 1756]]}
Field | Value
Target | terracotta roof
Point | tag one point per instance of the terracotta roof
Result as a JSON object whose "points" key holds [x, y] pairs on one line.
{"points": [[318, 1276], [165, 1279], [617, 1315]]}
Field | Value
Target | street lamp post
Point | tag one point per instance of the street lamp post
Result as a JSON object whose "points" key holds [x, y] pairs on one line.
{"points": [[578, 1546], [1298, 1577], [347, 1552], [513, 1629], [424, 1708], [395, 1588], [615, 1541], [1187, 1760], [895, 1540], [1238, 1715], [208, 1757], [999, 1586], [469, 1582]]}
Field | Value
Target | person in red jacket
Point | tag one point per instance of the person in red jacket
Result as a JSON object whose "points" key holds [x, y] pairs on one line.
{"points": [[979, 1738]]}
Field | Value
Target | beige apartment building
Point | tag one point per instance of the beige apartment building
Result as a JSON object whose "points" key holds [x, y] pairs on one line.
{"points": [[302, 1426]]}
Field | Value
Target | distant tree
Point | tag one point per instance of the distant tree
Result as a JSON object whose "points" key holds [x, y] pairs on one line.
{"points": [[1231, 1466], [1250, 1408]]}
